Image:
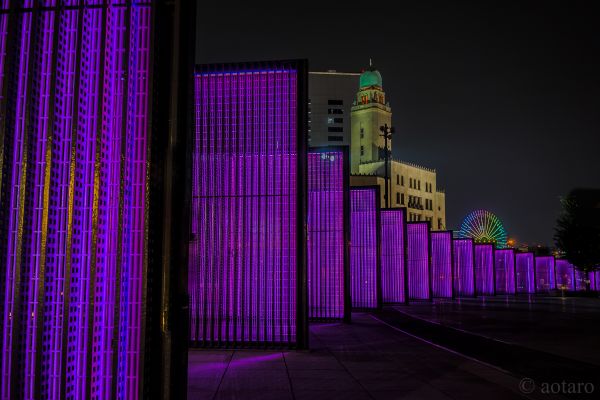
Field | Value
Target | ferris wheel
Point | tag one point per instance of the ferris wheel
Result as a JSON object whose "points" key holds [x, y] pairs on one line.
{"points": [[483, 227]]}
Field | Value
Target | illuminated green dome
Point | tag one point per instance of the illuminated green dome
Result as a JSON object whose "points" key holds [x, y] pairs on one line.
{"points": [[371, 77]]}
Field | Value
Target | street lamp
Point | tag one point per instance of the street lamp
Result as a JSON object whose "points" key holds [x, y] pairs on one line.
{"points": [[387, 134]]}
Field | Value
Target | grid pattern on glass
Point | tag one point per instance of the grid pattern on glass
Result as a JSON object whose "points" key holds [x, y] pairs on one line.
{"points": [[441, 264], [484, 269], [364, 257], [244, 245], [393, 230], [504, 265], [544, 273], [418, 261], [74, 191], [464, 267], [326, 239], [524, 270]]}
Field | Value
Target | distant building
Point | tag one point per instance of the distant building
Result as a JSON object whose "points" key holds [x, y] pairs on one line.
{"points": [[338, 115], [330, 100], [411, 186]]}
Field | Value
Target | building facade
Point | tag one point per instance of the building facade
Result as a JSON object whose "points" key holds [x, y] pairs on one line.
{"points": [[329, 106]]}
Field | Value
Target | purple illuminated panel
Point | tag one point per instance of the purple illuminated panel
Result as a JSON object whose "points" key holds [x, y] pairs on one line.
{"points": [[73, 226], [365, 267], [592, 278], [580, 280], [505, 271], [393, 231], [441, 264], [326, 243], [565, 279], [544, 274], [464, 267], [484, 269], [418, 261], [525, 282], [247, 227]]}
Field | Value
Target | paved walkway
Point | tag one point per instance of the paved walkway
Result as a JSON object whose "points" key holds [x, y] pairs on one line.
{"points": [[565, 326], [362, 360]]}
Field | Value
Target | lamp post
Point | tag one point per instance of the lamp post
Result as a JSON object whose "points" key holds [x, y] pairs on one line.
{"points": [[387, 134]]}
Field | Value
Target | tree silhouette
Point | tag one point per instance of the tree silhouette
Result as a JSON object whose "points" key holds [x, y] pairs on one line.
{"points": [[578, 229]]}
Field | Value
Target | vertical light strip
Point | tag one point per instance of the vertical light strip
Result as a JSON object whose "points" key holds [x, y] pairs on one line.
{"points": [[364, 253], [464, 263], [36, 202], [484, 269], [56, 256], [441, 264], [134, 201], [326, 238], [83, 212], [525, 282], [393, 231], [544, 273], [243, 256], [15, 122], [418, 261], [505, 271]]}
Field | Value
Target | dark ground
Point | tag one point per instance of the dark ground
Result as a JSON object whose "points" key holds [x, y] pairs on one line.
{"points": [[393, 355]]}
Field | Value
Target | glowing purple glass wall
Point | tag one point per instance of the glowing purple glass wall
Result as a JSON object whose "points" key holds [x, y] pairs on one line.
{"points": [[441, 264], [580, 280], [365, 248], [327, 260], [393, 255], [525, 273], [246, 252], [544, 274], [418, 271], [564, 275], [75, 120], [484, 269], [504, 265], [464, 267]]}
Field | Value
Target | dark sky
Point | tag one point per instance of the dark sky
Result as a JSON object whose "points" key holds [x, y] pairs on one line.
{"points": [[503, 100]]}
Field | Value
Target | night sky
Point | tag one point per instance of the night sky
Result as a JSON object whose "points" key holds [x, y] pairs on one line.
{"points": [[503, 100]]}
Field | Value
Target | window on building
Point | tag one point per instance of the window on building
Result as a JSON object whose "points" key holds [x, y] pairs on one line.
{"points": [[362, 150], [419, 186], [402, 198], [335, 102], [335, 138], [402, 180], [397, 179], [338, 120], [397, 198], [335, 129], [331, 111], [440, 226]]}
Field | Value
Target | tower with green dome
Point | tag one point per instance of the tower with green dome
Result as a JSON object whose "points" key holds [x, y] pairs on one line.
{"points": [[368, 113]]}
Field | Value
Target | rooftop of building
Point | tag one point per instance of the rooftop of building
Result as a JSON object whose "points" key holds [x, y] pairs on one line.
{"points": [[406, 163]]}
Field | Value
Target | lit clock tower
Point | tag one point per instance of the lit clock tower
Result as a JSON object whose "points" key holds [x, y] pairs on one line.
{"points": [[369, 112]]}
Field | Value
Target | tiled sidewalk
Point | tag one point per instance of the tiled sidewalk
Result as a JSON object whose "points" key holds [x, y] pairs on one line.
{"points": [[362, 360]]}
